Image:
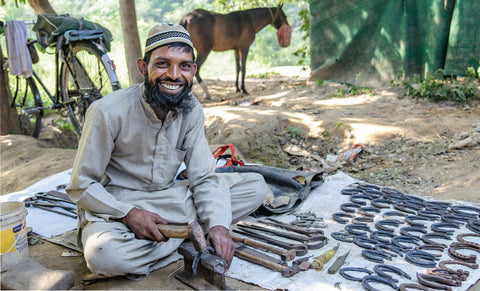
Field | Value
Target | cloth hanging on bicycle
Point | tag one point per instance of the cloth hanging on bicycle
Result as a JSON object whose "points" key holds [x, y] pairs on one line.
{"points": [[19, 59], [49, 27]]}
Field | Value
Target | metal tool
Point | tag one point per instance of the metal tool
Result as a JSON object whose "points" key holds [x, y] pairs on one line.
{"points": [[52, 206], [303, 263], [50, 203], [261, 256], [339, 262], [285, 255], [302, 238], [308, 219], [320, 261], [299, 229], [54, 210], [54, 196], [202, 270], [300, 249], [250, 256], [210, 269]]}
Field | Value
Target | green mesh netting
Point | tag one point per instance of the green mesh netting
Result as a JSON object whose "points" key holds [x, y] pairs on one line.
{"points": [[369, 42]]}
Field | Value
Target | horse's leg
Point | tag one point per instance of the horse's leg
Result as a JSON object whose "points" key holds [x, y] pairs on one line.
{"points": [[237, 68], [244, 53], [200, 60]]}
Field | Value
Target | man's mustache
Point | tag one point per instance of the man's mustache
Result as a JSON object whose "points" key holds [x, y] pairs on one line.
{"points": [[157, 82]]}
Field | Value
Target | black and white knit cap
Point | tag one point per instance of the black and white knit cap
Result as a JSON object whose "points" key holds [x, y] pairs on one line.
{"points": [[163, 34]]}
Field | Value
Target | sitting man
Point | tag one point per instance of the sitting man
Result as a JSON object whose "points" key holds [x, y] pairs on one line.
{"points": [[133, 143]]}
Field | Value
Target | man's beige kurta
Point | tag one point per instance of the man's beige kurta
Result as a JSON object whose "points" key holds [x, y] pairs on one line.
{"points": [[127, 155], [128, 158]]}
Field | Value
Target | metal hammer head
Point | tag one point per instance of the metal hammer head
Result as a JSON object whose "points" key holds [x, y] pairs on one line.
{"points": [[197, 236], [209, 273]]}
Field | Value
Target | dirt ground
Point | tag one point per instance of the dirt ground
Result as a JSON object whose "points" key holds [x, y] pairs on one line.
{"points": [[417, 146]]}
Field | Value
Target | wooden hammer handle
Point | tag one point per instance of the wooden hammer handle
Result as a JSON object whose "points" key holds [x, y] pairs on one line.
{"points": [[286, 255], [259, 261], [174, 230], [192, 230]]}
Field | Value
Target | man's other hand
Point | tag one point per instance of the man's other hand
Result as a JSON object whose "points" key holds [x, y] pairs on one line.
{"points": [[144, 224], [222, 242]]}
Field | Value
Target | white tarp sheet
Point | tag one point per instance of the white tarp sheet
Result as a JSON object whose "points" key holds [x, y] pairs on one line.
{"points": [[323, 201]]}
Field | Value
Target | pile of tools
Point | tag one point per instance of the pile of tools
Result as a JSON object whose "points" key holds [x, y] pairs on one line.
{"points": [[269, 243], [386, 223], [53, 201], [286, 240]]}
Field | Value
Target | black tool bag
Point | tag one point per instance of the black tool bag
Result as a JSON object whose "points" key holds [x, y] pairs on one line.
{"points": [[49, 27], [296, 185]]}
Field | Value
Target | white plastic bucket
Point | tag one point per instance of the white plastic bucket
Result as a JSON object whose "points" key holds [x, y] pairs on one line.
{"points": [[14, 240]]}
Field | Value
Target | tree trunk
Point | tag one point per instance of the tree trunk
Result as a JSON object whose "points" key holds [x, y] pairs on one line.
{"points": [[41, 7], [131, 39], [9, 117]]}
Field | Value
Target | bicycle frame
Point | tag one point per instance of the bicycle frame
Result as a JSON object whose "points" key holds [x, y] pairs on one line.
{"points": [[83, 73], [55, 99]]}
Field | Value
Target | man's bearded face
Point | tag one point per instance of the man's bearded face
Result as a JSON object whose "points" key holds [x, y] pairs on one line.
{"points": [[167, 101], [168, 79]]}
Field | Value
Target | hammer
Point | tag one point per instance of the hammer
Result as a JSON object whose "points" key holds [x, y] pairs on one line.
{"points": [[249, 255], [192, 231], [285, 255]]}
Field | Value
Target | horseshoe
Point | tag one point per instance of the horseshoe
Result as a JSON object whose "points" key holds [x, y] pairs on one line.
{"points": [[452, 251]]}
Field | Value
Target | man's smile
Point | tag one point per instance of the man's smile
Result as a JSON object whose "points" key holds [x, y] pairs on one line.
{"points": [[171, 87]]}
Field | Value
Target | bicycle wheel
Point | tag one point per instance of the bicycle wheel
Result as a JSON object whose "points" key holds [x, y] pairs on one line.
{"points": [[28, 103], [86, 75]]}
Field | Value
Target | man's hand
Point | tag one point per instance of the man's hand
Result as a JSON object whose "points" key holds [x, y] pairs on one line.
{"points": [[222, 242], [144, 224]]}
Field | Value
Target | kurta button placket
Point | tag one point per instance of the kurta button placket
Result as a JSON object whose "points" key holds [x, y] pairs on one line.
{"points": [[159, 155]]}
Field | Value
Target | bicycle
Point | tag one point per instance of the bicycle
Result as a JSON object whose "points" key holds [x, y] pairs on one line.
{"points": [[83, 73]]}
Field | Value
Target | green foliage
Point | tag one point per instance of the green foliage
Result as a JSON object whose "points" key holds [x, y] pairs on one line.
{"points": [[319, 82], [263, 75], [438, 87], [304, 52], [3, 3], [340, 93], [294, 132], [264, 52], [224, 6], [64, 125], [354, 90], [470, 73], [357, 90]]}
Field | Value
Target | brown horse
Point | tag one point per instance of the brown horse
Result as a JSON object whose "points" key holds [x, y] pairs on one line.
{"points": [[236, 30]]}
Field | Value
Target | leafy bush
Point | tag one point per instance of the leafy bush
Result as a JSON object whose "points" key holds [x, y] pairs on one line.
{"points": [[354, 90], [439, 87]]}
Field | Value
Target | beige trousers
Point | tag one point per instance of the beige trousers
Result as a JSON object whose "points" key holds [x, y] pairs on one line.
{"points": [[111, 249]]}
